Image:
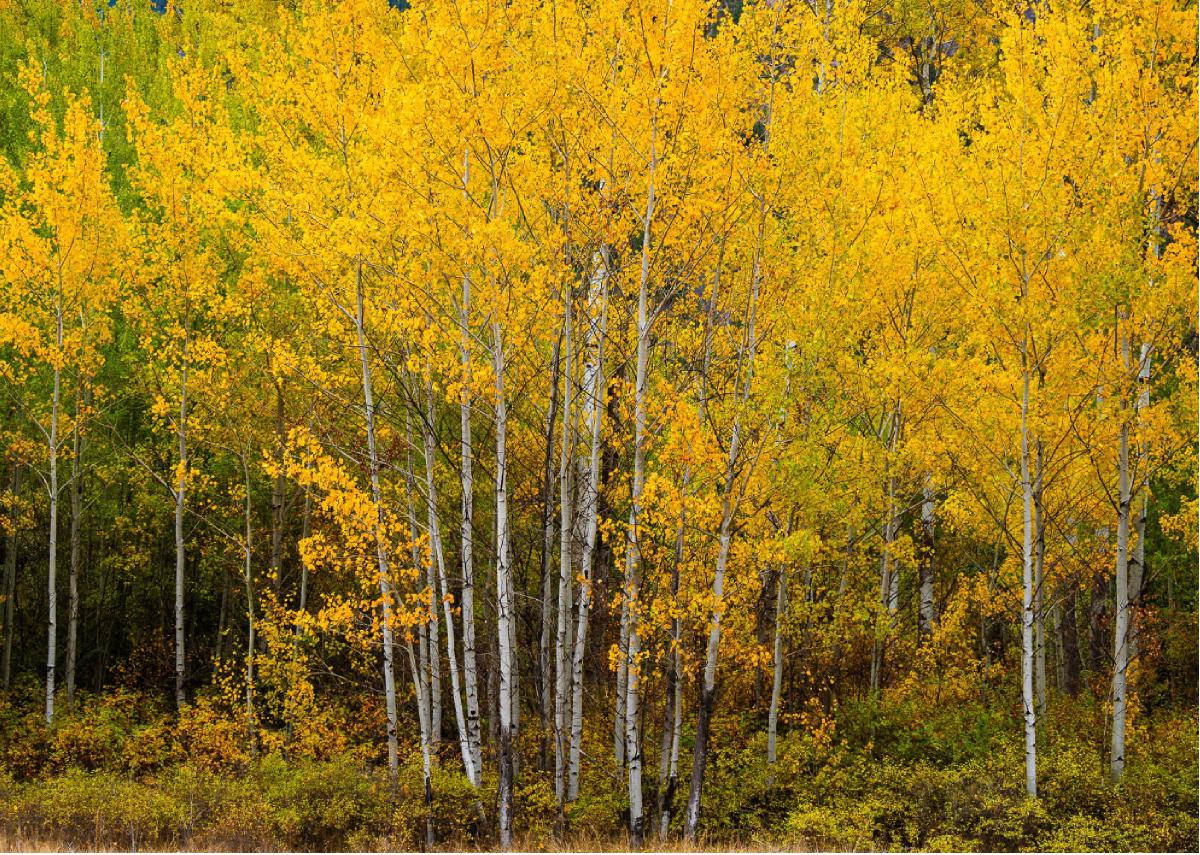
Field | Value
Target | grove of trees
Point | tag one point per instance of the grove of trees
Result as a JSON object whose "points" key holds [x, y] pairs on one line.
{"points": [[602, 399]]}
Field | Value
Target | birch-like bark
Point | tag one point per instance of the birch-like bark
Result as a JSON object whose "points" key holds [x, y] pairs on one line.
{"points": [[545, 677], [633, 557], [1137, 554], [180, 497], [504, 597], [1121, 627], [52, 558], [566, 490], [926, 615], [668, 757], [1027, 653], [776, 672], [381, 558], [419, 690], [467, 523], [439, 561], [1039, 567], [277, 491], [593, 412], [888, 586], [427, 631]]}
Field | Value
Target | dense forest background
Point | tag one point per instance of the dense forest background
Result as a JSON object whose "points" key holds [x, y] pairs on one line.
{"points": [[601, 423]]}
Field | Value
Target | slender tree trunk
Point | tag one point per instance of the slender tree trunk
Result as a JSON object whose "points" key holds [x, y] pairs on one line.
{"points": [[566, 490], [668, 763], [504, 597], [10, 575], [593, 412], [180, 498], [927, 559], [51, 581], [470, 665], [1039, 569], [76, 532], [419, 690], [381, 557], [439, 560], [1027, 597], [248, 574], [1121, 623], [633, 559], [1137, 554], [776, 672], [545, 677], [277, 491]]}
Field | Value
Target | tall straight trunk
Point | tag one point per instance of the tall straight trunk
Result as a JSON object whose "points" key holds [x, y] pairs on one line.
{"points": [[381, 557], [180, 498], [594, 387], [633, 557], [427, 631], [1137, 554], [928, 558], [545, 677], [10, 575], [504, 597], [302, 601], [1121, 622], [76, 532], [886, 569], [566, 490], [1027, 581], [443, 591], [1039, 572], [668, 758], [248, 579], [467, 523], [277, 491], [776, 672], [419, 690], [52, 562]]}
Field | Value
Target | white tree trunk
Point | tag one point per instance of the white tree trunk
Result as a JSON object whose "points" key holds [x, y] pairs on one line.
{"points": [[593, 411], [566, 489], [504, 596], [926, 613], [470, 667], [776, 672], [1121, 627], [180, 498], [633, 556], [1027, 653], [51, 586], [385, 578], [443, 591]]}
